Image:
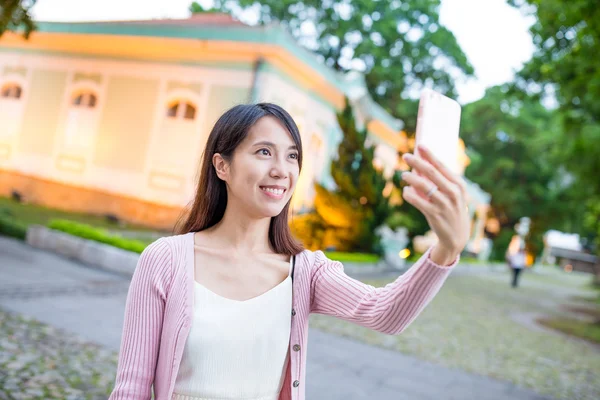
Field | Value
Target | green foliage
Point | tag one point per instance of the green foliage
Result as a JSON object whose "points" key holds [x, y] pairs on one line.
{"points": [[501, 242], [397, 43], [352, 257], [310, 229], [15, 16], [567, 39], [511, 141], [582, 329], [196, 8], [409, 216], [359, 190], [41, 215], [402, 220], [346, 218], [414, 256], [9, 226], [592, 222], [97, 234]]}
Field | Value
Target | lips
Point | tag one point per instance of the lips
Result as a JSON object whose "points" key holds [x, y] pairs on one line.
{"points": [[274, 190]]}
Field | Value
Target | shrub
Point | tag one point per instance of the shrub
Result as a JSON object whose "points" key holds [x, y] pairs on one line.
{"points": [[414, 256], [11, 227], [99, 235], [309, 229], [352, 257]]}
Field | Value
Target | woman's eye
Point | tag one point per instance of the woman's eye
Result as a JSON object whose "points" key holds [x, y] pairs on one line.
{"points": [[264, 152], [294, 156]]}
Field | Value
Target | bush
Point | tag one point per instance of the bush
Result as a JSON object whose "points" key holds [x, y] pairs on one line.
{"points": [[352, 257], [414, 256], [309, 229], [501, 243], [11, 227], [585, 330], [99, 235]]}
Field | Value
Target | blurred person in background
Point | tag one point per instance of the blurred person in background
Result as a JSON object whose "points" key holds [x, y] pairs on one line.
{"points": [[516, 257]]}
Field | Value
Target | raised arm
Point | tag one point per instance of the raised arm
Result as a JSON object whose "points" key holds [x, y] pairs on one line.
{"points": [[389, 309], [442, 198], [143, 323]]}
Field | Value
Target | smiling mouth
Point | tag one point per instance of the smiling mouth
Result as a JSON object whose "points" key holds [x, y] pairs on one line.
{"points": [[273, 191]]}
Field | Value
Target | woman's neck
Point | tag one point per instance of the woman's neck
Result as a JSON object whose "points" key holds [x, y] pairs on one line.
{"points": [[241, 233]]}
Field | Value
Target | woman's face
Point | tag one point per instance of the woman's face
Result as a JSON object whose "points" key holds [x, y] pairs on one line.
{"points": [[263, 170]]}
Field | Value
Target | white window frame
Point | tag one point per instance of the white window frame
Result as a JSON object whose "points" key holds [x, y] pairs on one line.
{"points": [[8, 140]]}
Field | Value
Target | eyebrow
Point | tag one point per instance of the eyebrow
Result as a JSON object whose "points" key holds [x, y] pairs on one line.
{"points": [[271, 144]]}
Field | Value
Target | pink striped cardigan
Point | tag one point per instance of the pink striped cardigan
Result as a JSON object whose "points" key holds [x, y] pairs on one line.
{"points": [[159, 309]]}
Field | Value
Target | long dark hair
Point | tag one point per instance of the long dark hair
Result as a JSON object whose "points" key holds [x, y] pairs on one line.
{"points": [[211, 194]]}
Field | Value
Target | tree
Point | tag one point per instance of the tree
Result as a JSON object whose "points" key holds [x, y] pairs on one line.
{"points": [[511, 142], [346, 218], [14, 16], [566, 66], [400, 45], [196, 8]]}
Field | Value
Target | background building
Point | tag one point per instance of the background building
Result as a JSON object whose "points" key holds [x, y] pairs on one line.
{"points": [[112, 117]]}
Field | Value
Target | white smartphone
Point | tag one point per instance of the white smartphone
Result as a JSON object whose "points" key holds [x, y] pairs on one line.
{"points": [[438, 125]]}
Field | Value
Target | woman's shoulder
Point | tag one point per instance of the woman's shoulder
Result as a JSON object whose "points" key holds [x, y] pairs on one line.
{"points": [[317, 259], [175, 241], [156, 252], [171, 247]]}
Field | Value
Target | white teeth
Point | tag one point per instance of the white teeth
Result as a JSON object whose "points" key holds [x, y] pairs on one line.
{"points": [[277, 192]]}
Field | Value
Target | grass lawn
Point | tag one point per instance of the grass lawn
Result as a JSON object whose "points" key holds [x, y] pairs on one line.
{"points": [[352, 257], [34, 214], [595, 299], [472, 325], [583, 329]]}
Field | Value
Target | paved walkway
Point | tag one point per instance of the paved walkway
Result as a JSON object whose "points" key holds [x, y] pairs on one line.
{"points": [[90, 303]]}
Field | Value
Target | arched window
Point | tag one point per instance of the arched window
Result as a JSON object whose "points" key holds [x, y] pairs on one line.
{"points": [[176, 144], [81, 119], [11, 91], [84, 99], [12, 106], [181, 110]]}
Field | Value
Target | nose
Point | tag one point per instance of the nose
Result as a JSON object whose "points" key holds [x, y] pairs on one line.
{"points": [[278, 169]]}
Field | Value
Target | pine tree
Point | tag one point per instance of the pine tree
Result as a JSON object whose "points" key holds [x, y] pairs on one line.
{"points": [[350, 214]]}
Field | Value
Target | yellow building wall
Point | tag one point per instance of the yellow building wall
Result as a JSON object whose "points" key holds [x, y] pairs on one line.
{"points": [[42, 112], [220, 99], [126, 123]]}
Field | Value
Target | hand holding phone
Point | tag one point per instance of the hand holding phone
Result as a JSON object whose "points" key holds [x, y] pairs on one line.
{"points": [[438, 125], [434, 185]]}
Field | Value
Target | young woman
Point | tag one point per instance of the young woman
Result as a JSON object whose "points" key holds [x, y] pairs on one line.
{"points": [[220, 311]]}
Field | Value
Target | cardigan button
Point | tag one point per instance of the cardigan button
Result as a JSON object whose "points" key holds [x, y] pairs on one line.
{"points": [[296, 347], [296, 383], [293, 312]]}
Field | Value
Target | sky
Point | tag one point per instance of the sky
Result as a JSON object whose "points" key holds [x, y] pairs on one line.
{"points": [[493, 35]]}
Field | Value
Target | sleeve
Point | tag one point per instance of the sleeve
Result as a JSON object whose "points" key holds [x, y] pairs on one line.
{"points": [[389, 309], [142, 324]]}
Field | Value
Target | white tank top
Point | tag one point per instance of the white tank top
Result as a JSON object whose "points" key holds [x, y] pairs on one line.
{"points": [[236, 349]]}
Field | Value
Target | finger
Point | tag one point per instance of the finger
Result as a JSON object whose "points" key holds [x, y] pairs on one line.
{"points": [[410, 194], [430, 157], [428, 170], [423, 186]]}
